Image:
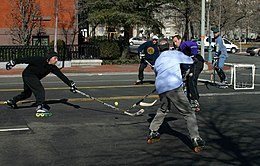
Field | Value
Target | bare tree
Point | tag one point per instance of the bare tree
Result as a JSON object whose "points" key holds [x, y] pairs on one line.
{"points": [[24, 18]]}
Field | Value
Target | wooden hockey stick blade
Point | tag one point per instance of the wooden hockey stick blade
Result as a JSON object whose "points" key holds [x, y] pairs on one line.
{"points": [[138, 113], [144, 104]]}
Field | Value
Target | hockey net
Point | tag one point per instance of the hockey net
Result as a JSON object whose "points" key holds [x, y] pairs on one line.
{"points": [[242, 76]]}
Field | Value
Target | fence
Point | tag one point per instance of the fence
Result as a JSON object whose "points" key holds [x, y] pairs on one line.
{"points": [[67, 52]]}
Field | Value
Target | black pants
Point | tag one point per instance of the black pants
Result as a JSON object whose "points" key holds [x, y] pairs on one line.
{"points": [[192, 81], [142, 66], [32, 84]]}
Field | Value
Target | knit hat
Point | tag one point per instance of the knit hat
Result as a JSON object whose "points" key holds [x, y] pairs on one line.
{"points": [[51, 54]]}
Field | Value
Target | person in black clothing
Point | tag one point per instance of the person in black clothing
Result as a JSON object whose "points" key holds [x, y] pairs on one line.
{"points": [[190, 49], [148, 53], [38, 68]]}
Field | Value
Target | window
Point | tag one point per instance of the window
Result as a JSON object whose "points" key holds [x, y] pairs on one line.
{"points": [[40, 40]]}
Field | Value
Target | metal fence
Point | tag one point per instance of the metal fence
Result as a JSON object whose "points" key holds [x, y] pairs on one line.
{"points": [[67, 52]]}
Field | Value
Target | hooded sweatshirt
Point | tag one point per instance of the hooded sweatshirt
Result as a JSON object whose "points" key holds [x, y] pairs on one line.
{"points": [[39, 67]]}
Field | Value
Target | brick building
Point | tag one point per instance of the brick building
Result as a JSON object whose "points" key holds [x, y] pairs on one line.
{"points": [[43, 34]]}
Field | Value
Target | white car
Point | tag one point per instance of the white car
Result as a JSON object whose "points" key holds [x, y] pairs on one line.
{"points": [[229, 45], [136, 41]]}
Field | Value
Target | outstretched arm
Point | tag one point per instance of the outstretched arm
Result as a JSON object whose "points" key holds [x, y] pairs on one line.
{"points": [[65, 79]]}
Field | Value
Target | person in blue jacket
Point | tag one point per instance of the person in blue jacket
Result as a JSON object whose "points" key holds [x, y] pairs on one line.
{"points": [[168, 85], [148, 53], [190, 49], [220, 55]]}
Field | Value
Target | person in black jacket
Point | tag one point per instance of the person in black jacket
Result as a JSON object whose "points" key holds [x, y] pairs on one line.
{"points": [[38, 68], [148, 53]]}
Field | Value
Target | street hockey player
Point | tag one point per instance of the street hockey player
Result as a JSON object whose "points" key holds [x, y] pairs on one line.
{"points": [[190, 49], [38, 67], [169, 87], [148, 52]]}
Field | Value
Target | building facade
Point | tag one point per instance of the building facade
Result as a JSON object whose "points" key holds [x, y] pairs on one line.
{"points": [[44, 14]]}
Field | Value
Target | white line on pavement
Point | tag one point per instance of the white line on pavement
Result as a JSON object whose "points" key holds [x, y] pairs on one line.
{"points": [[15, 129]]}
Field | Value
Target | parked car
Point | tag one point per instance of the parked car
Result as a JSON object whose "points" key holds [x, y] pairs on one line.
{"points": [[255, 50], [229, 45], [136, 41]]}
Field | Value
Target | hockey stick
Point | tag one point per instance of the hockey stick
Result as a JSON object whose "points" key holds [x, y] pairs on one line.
{"points": [[144, 104], [138, 113], [148, 63], [141, 101]]}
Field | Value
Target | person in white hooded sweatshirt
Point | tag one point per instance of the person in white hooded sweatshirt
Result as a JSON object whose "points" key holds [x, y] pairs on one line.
{"points": [[169, 87]]}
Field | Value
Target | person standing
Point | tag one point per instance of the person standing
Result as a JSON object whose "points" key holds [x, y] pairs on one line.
{"points": [[38, 68], [190, 49], [148, 52], [169, 87], [220, 55]]}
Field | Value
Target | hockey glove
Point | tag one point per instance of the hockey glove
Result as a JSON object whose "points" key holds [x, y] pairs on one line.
{"points": [[73, 87], [10, 65], [141, 56]]}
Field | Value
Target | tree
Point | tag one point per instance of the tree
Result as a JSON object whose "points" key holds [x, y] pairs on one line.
{"points": [[24, 17]]}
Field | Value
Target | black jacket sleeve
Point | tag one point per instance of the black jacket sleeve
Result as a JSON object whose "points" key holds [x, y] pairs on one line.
{"points": [[55, 70]]}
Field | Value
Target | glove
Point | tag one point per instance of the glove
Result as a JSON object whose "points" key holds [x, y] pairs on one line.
{"points": [[10, 65], [141, 56], [73, 87]]}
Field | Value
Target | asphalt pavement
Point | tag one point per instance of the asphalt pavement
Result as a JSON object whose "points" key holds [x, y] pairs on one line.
{"points": [[85, 132]]}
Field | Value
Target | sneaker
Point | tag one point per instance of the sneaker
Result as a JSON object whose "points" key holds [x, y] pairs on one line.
{"points": [[198, 144], [153, 137], [138, 82], [11, 103]]}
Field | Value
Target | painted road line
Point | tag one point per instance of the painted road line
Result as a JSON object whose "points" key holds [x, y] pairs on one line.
{"points": [[81, 87], [15, 129]]}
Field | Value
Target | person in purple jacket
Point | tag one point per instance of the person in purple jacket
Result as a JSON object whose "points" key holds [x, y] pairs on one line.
{"points": [[190, 49], [37, 69], [168, 85]]}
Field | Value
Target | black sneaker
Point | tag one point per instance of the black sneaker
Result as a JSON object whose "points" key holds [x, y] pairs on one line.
{"points": [[11, 103], [198, 144]]}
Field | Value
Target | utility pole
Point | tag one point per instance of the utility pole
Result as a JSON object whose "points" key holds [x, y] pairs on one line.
{"points": [[202, 28], [209, 31], [56, 25], [219, 19]]}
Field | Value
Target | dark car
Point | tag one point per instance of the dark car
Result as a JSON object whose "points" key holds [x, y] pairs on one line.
{"points": [[255, 50]]}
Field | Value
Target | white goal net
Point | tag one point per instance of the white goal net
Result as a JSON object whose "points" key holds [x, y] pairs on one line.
{"points": [[242, 76]]}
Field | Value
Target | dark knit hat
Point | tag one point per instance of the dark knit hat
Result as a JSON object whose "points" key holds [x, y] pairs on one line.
{"points": [[51, 54]]}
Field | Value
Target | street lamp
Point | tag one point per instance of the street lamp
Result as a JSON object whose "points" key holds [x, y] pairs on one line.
{"points": [[56, 25]]}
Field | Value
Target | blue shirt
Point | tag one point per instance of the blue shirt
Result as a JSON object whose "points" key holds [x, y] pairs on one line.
{"points": [[167, 70], [220, 47]]}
